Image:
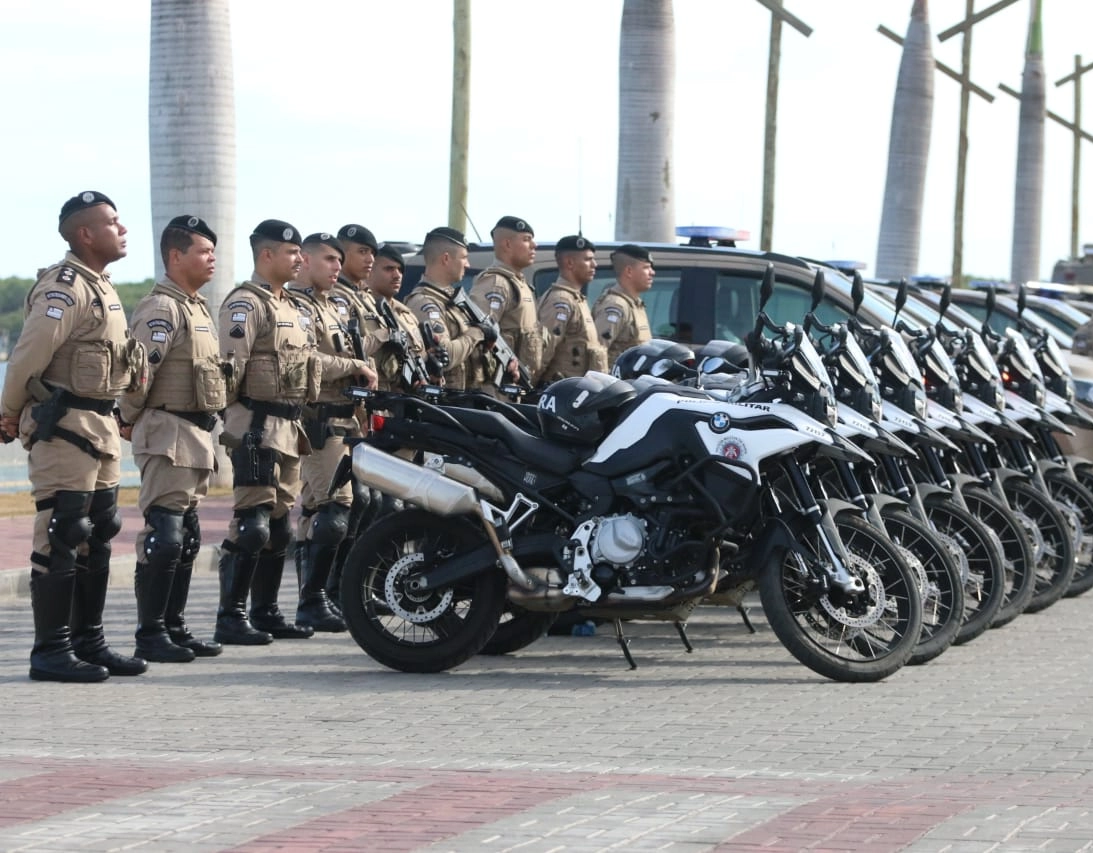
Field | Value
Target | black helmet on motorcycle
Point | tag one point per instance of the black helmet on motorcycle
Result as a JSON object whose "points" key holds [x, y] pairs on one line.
{"points": [[579, 408], [733, 354], [672, 360]]}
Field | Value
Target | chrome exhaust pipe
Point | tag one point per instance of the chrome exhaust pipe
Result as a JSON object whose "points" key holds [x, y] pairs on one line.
{"points": [[433, 492]]}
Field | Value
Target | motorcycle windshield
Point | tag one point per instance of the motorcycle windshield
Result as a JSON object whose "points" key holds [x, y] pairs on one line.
{"points": [[901, 364], [854, 362], [980, 359], [810, 368], [1054, 360], [941, 365]]}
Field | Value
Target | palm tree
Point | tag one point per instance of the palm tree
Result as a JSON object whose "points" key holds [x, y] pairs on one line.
{"points": [[908, 151], [645, 206], [1028, 199], [191, 126]]}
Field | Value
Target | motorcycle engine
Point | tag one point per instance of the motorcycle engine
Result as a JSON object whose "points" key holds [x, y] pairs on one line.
{"points": [[619, 540]]}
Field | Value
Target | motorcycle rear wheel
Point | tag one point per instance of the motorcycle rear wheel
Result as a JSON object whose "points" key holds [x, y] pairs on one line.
{"points": [[943, 598], [414, 631], [854, 639]]}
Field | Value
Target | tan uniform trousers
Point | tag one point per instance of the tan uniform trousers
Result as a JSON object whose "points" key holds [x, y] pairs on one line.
{"points": [[281, 496], [163, 484], [58, 466]]}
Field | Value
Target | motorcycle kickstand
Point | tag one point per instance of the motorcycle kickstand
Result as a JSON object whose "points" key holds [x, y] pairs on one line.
{"points": [[743, 611], [624, 644], [681, 629]]}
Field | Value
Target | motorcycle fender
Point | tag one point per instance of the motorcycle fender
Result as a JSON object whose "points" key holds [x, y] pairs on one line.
{"points": [[774, 541], [890, 503], [840, 508], [1004, 475], [1079, 463], [927, 490], [964, 481], [1048, 465]]}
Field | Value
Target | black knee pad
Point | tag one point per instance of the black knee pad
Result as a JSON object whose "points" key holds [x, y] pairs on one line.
{"points": [[252, 528], [70, 525], [279, 534], [330, 524], [191, 535], [163, 545], [104, 514]]}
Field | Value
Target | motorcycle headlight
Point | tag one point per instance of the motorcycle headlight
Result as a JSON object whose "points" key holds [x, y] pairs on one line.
{"points": [[920, 402]]}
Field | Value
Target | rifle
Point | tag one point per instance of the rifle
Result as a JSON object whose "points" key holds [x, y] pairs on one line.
{"points": [[501, 348], [412, 366], [438, 356]]}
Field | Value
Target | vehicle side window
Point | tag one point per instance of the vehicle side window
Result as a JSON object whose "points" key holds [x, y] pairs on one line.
{"points": [[791, 302], [738, 303]]}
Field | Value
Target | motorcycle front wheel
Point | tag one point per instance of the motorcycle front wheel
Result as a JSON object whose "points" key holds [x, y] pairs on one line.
{"points": [[406, 628], [1077, 499], [979, 560], [1052, 538], [1015, 548], [845, 637], [940, 584]]}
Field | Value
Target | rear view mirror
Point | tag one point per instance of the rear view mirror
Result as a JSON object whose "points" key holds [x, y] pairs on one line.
{"points": [[857, 291], [901, 295], [817, 289], [946, 298], [766, 289], [991, 300], [1022, 299]]}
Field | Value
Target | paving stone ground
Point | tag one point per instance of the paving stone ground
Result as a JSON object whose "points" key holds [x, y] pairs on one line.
{"points": [[311, 746]]}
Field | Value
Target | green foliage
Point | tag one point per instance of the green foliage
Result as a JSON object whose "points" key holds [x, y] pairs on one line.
{"points": [[13, 292]]}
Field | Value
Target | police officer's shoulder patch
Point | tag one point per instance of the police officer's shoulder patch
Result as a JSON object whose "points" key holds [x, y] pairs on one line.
{"points": [[66, 275], [237, 332], [60, 295], [160, 323], [241, 305], [612, 314], [155, 357]]}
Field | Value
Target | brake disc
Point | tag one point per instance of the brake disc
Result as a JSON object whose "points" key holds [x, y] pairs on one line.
{"points": [[411, 606], [874, 594]]}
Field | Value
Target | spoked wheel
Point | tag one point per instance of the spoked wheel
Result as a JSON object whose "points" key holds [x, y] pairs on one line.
{"points": [[398, 623], [517, 629], [978, 559], [1052, 537], [1017, 557], [1076, 501], [846, 637], [940, 585]]}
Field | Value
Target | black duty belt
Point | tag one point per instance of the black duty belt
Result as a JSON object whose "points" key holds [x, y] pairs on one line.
{"points": [[202, 420], [326, 411], [89, 404], [262, 408]]}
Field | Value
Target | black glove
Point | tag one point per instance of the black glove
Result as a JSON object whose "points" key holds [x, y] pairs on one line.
{"points": [[442, 356], [489, 333]]}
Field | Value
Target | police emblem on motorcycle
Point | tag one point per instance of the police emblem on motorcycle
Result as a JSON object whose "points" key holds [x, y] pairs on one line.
{"points": [[719, 421], [731, 448]]}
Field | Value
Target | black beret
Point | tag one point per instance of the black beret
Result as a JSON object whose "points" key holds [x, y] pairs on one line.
{"points": [[323, 238], [449, 234], [632, 251], [358, 234], [514, 224], [390, 252], [574, 243], [193, 224], [278, 231], [82, 201]]}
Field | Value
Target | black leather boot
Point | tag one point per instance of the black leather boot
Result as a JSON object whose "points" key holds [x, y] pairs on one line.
{"points": [[88, 638], [314, 610], [52, 658], [153, 587], [232, 626], [175, 616], [264, 612]]}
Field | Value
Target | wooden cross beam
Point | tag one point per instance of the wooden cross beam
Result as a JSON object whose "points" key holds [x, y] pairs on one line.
{"points": [[941, 66]]}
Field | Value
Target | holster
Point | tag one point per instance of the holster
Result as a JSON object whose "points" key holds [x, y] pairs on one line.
{"points": [[253, 464]]}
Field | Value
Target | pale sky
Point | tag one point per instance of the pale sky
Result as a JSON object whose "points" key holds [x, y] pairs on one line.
{"points": [[343, 111]]}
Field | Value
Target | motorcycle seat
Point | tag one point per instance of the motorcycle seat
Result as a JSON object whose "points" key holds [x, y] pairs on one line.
{"points": [[540, 452]]}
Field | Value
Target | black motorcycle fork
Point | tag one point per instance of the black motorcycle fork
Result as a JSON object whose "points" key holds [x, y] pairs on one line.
{"points": [[826, 530]]}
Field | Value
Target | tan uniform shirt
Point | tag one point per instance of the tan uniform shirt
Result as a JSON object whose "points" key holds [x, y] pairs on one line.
{"points": [[572, 345], [74, 314], [621, 321], [269, 342], [431, 304], [340, 367], [505, 294], [184, 375]]}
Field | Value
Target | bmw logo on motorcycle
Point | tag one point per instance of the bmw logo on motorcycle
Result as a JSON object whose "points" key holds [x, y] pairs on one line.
{"points": [[719, 421]]}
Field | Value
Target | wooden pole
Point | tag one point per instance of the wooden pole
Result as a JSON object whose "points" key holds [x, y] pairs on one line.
{"points": [[461, 114], [770, 133]]}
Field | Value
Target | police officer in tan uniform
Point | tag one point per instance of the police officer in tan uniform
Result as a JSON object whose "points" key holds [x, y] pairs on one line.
{"points": [[384, 283], [73, 358], [445, 252], [502, 292], [572, 344], [619, 313], [324, 518], [359, 246], [172, 420], [266, 337]]}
